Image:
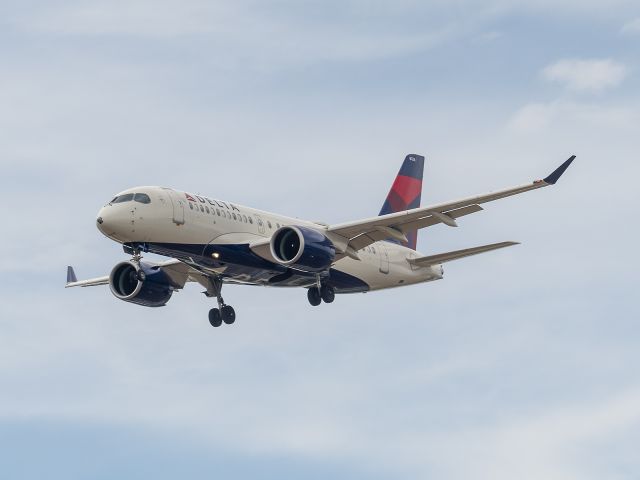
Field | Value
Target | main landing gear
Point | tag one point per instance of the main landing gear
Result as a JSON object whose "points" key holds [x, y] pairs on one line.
{"points": [[325, 294], [224, 313]]}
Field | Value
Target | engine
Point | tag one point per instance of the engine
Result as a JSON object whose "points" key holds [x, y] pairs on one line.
{"points": [[141, 284], [302, 248]]}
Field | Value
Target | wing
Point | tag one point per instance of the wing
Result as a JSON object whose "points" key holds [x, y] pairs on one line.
{"points": [[352, 236], [72, 280], [179, 272]]}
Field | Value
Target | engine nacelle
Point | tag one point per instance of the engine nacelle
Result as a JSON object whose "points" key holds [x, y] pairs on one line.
{"points": [[141, 284], [302, 248]]}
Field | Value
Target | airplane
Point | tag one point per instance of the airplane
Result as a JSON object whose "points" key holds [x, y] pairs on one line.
{"points": [[214, 242]]}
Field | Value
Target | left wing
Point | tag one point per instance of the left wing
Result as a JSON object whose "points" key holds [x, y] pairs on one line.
{"points": [[455, 255], [352, 236]]}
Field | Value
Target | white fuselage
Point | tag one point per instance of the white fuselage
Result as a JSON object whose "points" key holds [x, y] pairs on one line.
{"points": [[215, 236]]}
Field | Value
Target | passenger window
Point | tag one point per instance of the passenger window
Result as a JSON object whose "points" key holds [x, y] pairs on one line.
{"points": [[373, 250], [206, 208], [123, 198], [277, 225], [234, 216], [269, 223], [191, 205], [218, 211], [244, 217], [251, 220], [142, 198], [201, 209]]}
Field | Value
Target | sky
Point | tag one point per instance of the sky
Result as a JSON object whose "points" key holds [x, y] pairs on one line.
{"points": [[521, 363]]}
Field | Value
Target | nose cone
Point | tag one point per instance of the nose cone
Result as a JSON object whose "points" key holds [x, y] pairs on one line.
{"points": [[103, 223], [113, 222]]}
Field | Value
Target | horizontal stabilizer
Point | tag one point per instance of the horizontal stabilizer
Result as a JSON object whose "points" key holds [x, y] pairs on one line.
{"points": [[449, 256]]}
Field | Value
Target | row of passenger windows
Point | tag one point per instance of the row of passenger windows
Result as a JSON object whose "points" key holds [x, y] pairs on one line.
{"points": [[224, 213], [136, 197]]}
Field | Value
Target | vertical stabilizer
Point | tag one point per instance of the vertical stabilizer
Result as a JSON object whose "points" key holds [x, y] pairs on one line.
{"points": [[406, 191]]}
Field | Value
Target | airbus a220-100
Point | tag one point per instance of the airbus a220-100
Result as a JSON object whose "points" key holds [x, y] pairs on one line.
{"points": [[214, 242]]}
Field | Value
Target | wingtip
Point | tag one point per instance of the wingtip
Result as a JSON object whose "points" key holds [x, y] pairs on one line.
{"points": [[71, 275], [557, 173]]}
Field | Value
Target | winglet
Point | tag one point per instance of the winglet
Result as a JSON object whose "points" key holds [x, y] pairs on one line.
{"points": [[71, 275], [557, 173]]}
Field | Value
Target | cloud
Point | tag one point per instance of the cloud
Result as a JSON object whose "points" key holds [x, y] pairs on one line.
{"points": [[490, 366], [265, 37], [487, 37], [632, 27], [586, 75], [552, 444], [167, 18], [539, 117]]}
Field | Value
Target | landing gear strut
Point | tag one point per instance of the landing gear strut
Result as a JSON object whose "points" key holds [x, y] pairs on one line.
{"points": [[224, 313]]}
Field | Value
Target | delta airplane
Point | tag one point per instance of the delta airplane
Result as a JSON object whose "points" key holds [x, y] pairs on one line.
{"points": [[214, 242]]}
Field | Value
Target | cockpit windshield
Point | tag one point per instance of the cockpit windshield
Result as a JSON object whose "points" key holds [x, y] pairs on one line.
{"points": [[127, 197], [141, 198]]}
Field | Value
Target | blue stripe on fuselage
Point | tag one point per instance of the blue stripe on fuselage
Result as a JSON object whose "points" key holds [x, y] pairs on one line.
{"points": [[241, 264]]}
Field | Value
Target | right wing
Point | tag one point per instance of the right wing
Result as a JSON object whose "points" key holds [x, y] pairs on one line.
{"points": [[179, 272], [352, 236], [72, 280], [449, 256]]}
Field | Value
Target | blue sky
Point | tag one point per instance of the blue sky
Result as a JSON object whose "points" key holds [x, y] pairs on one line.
{"points": [[519, 364]]}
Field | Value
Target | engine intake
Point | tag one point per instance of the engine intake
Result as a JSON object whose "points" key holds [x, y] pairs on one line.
{"points": [[302, 248], [141, 284]]}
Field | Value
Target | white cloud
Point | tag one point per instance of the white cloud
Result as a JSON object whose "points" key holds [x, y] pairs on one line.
{"points": [[264, 37], [586, 75], [533, 117], [632, 27], [410, 381], [487, 37], [539, 117], [136, 17]]}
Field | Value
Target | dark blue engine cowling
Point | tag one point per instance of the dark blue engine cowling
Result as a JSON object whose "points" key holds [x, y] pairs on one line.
{"points": [[302, 248], [141, 284]]}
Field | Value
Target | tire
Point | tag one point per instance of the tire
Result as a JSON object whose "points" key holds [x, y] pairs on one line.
{"points": [[228, 314], [214, 317], [327, 293], [313, 295]]}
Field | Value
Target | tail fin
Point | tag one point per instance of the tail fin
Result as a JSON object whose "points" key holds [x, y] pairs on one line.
{"points": [[406, 191]]}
